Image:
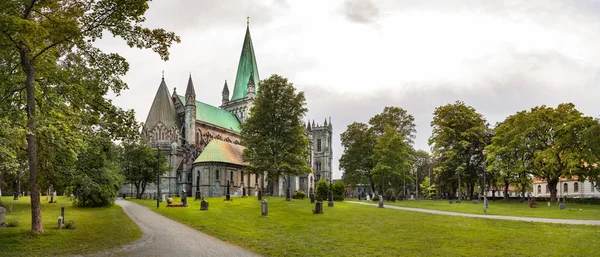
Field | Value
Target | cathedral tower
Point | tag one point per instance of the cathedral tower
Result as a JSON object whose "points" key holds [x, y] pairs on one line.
{"points": [[190, 113], [322, 150], [246, 81]]}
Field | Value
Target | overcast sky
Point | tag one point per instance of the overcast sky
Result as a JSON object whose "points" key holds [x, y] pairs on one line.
{"points": [[352, 58]]}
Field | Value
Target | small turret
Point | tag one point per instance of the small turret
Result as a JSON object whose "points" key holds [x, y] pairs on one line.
{"points": [[190, 113], [225, 94], [251, 87], [190, 93], [325, 124]]}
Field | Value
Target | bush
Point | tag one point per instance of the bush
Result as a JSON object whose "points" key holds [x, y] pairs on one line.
{"points": [[322, 190], [299, 195], [375, 198], [389, 195], [70, 225], [338, 189]]}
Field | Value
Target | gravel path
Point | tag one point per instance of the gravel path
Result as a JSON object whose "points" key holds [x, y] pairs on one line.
{"points": [[165, 237], [497, 217]]}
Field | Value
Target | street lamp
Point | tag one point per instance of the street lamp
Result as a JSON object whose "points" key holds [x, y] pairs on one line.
{"points": [[484, 188], [158, 176]]}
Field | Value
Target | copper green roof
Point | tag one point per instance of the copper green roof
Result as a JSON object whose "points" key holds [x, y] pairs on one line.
{"points": [[214, 115], [246, 67], [162, 109], [223, 152]]}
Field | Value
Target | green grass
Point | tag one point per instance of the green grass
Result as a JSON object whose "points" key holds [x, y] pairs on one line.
{"points": [[97, 229], [358, 230], [574, 210]]}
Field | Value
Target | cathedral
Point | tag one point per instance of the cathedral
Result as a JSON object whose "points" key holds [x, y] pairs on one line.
{"points": [[202, 141]]}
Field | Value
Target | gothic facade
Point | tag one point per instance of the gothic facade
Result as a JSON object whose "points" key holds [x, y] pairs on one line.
{"points": [[202, 141]]}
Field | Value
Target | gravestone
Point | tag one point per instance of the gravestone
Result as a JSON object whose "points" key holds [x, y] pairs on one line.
{"points": [[163, 198], [169, 200], [312, 198], [450, 201], [15, 196], [183, 198], [264, 208], [562, 206], [228, 196], [2, 213], [548, 203], [203, 205], [10, 207], [198, 196], [380, 201], [60, 222], [244, 192], [359, 196], [288, 194], [259, 195], [52, 198], [330, 199], [532, 203], [318, 207], [475, 201], [368, 198], [62, 212], [72, 197]]}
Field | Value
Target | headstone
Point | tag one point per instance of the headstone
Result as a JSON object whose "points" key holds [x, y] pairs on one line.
{"points": [[330, 198], [532, 203], [163, 198], [450, 201], [198, 196], [169, 200], [312, 198], [52, 198], [288, 194], [259, 195], [62, 212], [318, 207], [359, 196], [412, 197], [548, 203], [475, 201], [60, 222], [10, 207], [368, 198], [562, 206], [15, 196], [183, 198], [264, 208], [203, 205], [244, 192], [2, 213], [380, 201], [228, 196]]}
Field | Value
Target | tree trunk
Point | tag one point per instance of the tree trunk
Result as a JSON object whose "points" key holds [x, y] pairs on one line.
{"points": [[144, 189], [493, 194], [36, 213], [553, 191], [137, 190], [506, 184]]}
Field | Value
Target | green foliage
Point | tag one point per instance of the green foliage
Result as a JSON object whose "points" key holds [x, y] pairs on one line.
{"points": [[396, 118], [70, 225], [357, 159], [97, 178], [393, 160], [389, 195], [427, 188], [459, 135], [547, 142], [338, 189], [139, 164], [57, 79], [322, 190], [299, 194], [12, 222], [274, 134], [375, 198]]}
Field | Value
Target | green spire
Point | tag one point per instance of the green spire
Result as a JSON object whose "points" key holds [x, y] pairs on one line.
{"points": [[246, 67]]}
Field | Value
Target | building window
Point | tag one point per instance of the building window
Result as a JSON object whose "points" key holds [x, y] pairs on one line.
{"points": [[539, 189], [242, 172], [576, 187], [217, 175], [256, 179], [318, 166], [231, 172], [318, 145], [565, 187]]}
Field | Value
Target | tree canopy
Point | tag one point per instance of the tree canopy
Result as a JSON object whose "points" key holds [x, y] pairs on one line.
{"points": [[53, 73], [274, 134]]}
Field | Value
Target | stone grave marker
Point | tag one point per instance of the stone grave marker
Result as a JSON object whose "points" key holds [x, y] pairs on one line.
{"points": [[312, 197], [169, 200], [562, 206], [264, 208], [10, 207], [183, 198], [288, 194], [203, 205], [163, 198], [318, 207], [72, 197], [244, 192], [62, 212], [60, 222], [330, 198], [368, 197], [52, 198], [475, 201], [380, 201], [259, 195], [548, 203], [2, 217], [228, 196]]}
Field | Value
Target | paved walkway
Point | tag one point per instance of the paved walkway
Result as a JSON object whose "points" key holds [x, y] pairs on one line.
{"points": [[165, 237], [497, 217]]}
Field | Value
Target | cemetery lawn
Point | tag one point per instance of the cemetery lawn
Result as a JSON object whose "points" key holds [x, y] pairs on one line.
{"points": [[359, 230], [97, 229], [574, 211]]}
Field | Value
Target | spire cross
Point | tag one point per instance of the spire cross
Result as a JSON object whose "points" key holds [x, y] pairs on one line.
{"points": [[163, 74], [248, 21]]}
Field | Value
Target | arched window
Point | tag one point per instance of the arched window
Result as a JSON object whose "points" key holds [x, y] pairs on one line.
{"points": [[565, 187], [217, 175], [318, 145], [576, 187], [231, 172], [539, 189]]}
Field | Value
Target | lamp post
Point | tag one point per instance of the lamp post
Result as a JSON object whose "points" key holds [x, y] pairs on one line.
{"points": [[484, 188], [158, 176]]}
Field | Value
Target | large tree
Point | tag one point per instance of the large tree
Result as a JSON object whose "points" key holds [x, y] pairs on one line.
{"points": [[49, 45], [357, 159], [141, 165], [274, 134], [396, 118], [394, 164], [458, 138]]}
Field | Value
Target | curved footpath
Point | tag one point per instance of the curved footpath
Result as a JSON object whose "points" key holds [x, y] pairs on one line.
{"points": [[497, 217], [165, 237]]}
